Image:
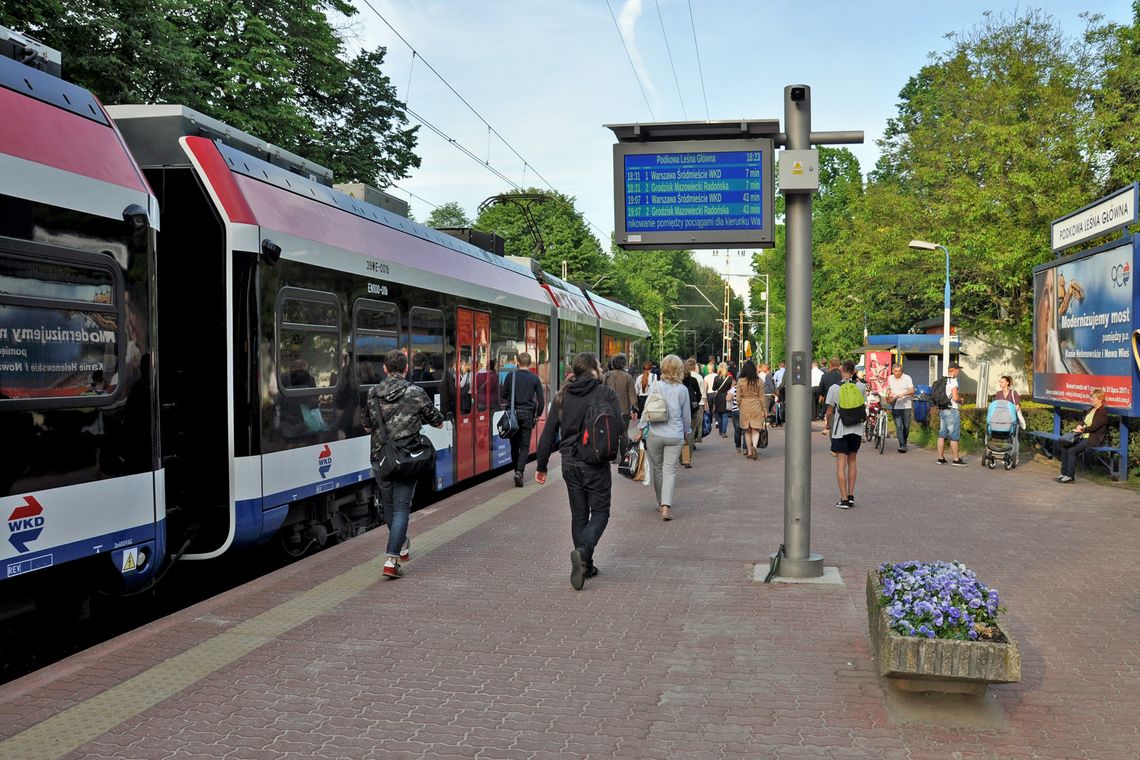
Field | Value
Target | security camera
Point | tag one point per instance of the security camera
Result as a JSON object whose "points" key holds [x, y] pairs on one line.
{"points": [[798, 94], [136, 217]]}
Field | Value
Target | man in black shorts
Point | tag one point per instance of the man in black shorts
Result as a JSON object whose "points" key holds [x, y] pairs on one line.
{"points": [[845, 439]]}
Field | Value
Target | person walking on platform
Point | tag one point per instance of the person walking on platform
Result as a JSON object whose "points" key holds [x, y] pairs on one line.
{"points": [[588, 485], [900, 395], [733, 402], [623, 385], [396, 409], [753, 413], [641, 385], [666, 437], [529, 404], [701, 401], [829, 378], [1092, 433], [720, 386], [845, 436], [816, 377]]}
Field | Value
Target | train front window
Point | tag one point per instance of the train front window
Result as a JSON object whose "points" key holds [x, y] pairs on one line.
{"points": [[308, 340], [59, 328], [375, 332]]}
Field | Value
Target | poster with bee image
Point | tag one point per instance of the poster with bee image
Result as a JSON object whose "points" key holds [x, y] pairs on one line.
{"points": [[1082, 329]]}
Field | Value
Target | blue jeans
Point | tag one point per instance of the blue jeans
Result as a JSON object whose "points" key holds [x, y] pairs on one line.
{"points": [[902, 425], [722, 422], [950, 426], [396, 501], [737, 433]]}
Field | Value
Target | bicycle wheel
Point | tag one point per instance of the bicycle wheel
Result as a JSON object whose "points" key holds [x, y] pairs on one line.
{"points": [[881, 433], [868, 429]]}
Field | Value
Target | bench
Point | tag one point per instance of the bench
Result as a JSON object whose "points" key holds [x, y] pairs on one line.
{"points": [[1108, 457]]}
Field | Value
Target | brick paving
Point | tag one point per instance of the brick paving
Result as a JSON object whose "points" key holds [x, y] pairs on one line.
{"points": [[484, 651]]}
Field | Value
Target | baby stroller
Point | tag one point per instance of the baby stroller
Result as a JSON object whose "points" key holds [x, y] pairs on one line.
{"points": [[1001, 435]]}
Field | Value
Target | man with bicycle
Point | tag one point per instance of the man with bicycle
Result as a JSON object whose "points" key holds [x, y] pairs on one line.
{"points": [[900, 394]]}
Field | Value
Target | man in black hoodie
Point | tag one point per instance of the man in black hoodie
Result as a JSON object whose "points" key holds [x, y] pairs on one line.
{"points": [[588, 485]]}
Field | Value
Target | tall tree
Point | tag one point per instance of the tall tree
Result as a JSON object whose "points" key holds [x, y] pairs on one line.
{"points": [[1116, 100], [450, 214]]}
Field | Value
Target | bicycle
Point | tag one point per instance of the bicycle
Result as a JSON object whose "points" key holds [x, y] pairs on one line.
{"points": [[875, 426]]}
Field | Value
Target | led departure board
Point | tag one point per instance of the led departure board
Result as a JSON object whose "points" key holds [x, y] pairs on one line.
{"points": [[694, 194]]}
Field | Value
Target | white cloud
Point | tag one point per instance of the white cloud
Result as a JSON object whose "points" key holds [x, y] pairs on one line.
{"points": [[627, 23]]}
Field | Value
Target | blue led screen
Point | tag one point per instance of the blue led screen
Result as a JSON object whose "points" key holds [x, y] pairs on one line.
{"points": [[701, 191]]}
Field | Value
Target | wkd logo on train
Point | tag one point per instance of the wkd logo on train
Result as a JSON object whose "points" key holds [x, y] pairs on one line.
{"points": [[324, 461], [25, 524]]}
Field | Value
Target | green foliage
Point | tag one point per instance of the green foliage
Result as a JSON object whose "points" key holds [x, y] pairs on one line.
{"points": [[1116, 101], [450, 214], [562, 228], [278, 70]]}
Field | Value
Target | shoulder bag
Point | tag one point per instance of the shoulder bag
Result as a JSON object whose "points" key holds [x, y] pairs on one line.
{"points": [[406, 459], [508, 423]]}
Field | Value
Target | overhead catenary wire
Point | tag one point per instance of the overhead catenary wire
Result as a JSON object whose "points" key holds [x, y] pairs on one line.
{"points": [[631, 64], [672, 65], [413, 195], [700, 70]]}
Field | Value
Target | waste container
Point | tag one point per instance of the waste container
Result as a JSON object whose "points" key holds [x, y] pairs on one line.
{"points": [[921, 402]]}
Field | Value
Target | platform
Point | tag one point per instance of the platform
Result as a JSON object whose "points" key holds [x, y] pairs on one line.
{"points": [[483, 650]]}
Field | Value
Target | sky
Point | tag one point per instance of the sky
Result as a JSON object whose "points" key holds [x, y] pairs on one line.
{"points": [[544, 76]]}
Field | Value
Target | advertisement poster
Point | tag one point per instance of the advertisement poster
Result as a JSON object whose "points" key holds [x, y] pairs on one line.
{"points": [[878, 367], [1082, 329]]}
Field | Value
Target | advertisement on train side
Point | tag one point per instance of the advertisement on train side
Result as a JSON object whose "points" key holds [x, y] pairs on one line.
{"points": [[1084, 327]]}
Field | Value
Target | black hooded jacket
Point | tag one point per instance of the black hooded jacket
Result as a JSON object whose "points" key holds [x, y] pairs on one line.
{"points": [[566, 418]]}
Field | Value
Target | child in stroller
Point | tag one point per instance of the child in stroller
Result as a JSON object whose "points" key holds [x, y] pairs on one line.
{"points": [[1001, 434]]}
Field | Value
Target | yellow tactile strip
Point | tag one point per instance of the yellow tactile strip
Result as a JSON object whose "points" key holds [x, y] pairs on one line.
{"points": [[74, 727]]}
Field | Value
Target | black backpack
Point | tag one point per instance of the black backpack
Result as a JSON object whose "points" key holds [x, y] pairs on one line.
{"points": [[938, 395], [599, 440]]}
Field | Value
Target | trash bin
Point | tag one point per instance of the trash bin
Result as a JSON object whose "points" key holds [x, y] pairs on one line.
{"points": [[921, 402]]}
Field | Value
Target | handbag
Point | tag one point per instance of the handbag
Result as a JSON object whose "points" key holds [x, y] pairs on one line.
{"points": [[763, 438], [508, 423], [630, 463], [1069, 439], [656, 410], [641, 471], [406, 459]]}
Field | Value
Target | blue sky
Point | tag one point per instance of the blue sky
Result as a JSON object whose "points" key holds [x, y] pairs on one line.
{"points": [[547, 74]]}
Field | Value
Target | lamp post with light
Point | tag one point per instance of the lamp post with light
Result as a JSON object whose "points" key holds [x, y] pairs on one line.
{"points": [[922, 245]]}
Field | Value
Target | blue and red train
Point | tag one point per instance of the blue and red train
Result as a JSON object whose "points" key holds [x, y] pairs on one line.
{"points": [[189, 321]]}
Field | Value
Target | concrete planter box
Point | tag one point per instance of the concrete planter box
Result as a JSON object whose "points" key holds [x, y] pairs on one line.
{"points": [[937, 665]]}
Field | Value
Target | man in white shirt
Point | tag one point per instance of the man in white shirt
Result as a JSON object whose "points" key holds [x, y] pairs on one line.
{"points": [[816, 378], [900, 394], [949, 420], [778, 375]]}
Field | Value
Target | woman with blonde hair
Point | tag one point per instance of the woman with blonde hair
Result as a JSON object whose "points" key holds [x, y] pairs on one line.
{"points": [[1090, 435], [666, 437], [753, 412]]}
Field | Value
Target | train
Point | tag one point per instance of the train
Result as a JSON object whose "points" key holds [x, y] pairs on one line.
{"points": [[190, 320]]}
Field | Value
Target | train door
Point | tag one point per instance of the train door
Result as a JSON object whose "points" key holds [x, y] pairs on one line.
{"points": [[482, 385], [539, 350], [472, 419]]}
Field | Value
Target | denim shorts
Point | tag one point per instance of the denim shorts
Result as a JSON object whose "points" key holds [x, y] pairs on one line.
{"points": [[949, 424]]}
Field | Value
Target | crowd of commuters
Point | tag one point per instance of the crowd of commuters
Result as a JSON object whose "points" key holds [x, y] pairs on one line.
{"points": [[686, 400]]}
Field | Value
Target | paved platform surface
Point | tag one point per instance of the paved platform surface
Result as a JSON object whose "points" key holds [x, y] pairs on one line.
{"points": [[484, 650]]}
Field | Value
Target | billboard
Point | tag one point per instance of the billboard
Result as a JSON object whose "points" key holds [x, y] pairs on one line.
{"points": [[1083, 309], [694, 194]]}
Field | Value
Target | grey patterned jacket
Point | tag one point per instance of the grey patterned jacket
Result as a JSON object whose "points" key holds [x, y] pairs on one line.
{"points": [[403, 407]]}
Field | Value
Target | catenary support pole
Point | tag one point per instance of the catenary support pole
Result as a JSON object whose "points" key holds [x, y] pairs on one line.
{"points": [[798, 561]]}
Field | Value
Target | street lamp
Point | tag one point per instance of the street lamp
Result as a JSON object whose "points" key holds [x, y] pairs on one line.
{"points": [[922, 245]]}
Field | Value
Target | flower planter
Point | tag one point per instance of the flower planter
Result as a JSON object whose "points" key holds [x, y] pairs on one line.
{"points": [[921, 664]]}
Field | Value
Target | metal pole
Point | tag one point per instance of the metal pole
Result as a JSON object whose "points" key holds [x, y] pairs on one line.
{"points": [[726, 338], [798, 561], [767, 332], [660, 335], [946, 315]]}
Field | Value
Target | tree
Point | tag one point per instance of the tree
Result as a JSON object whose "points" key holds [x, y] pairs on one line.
{"points": [[562, 229], [276, 69], [1116, 101], [448, 215]]}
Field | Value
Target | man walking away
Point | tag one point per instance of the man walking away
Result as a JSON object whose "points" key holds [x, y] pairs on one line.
{"points": [[816, 377], [529, 404], [623, 384], [900, 395], [403, 409], [949, 418], [828, 379], [587, 483], [843, 423], [696, 395]]}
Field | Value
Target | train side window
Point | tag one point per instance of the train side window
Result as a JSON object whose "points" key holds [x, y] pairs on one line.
{"points": [[375, 332], [426, 327], [308, 341], [61, 327]]}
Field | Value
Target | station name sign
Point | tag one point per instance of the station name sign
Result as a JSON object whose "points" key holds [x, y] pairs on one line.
{"points": [[694, 194], [1105, 215]]}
